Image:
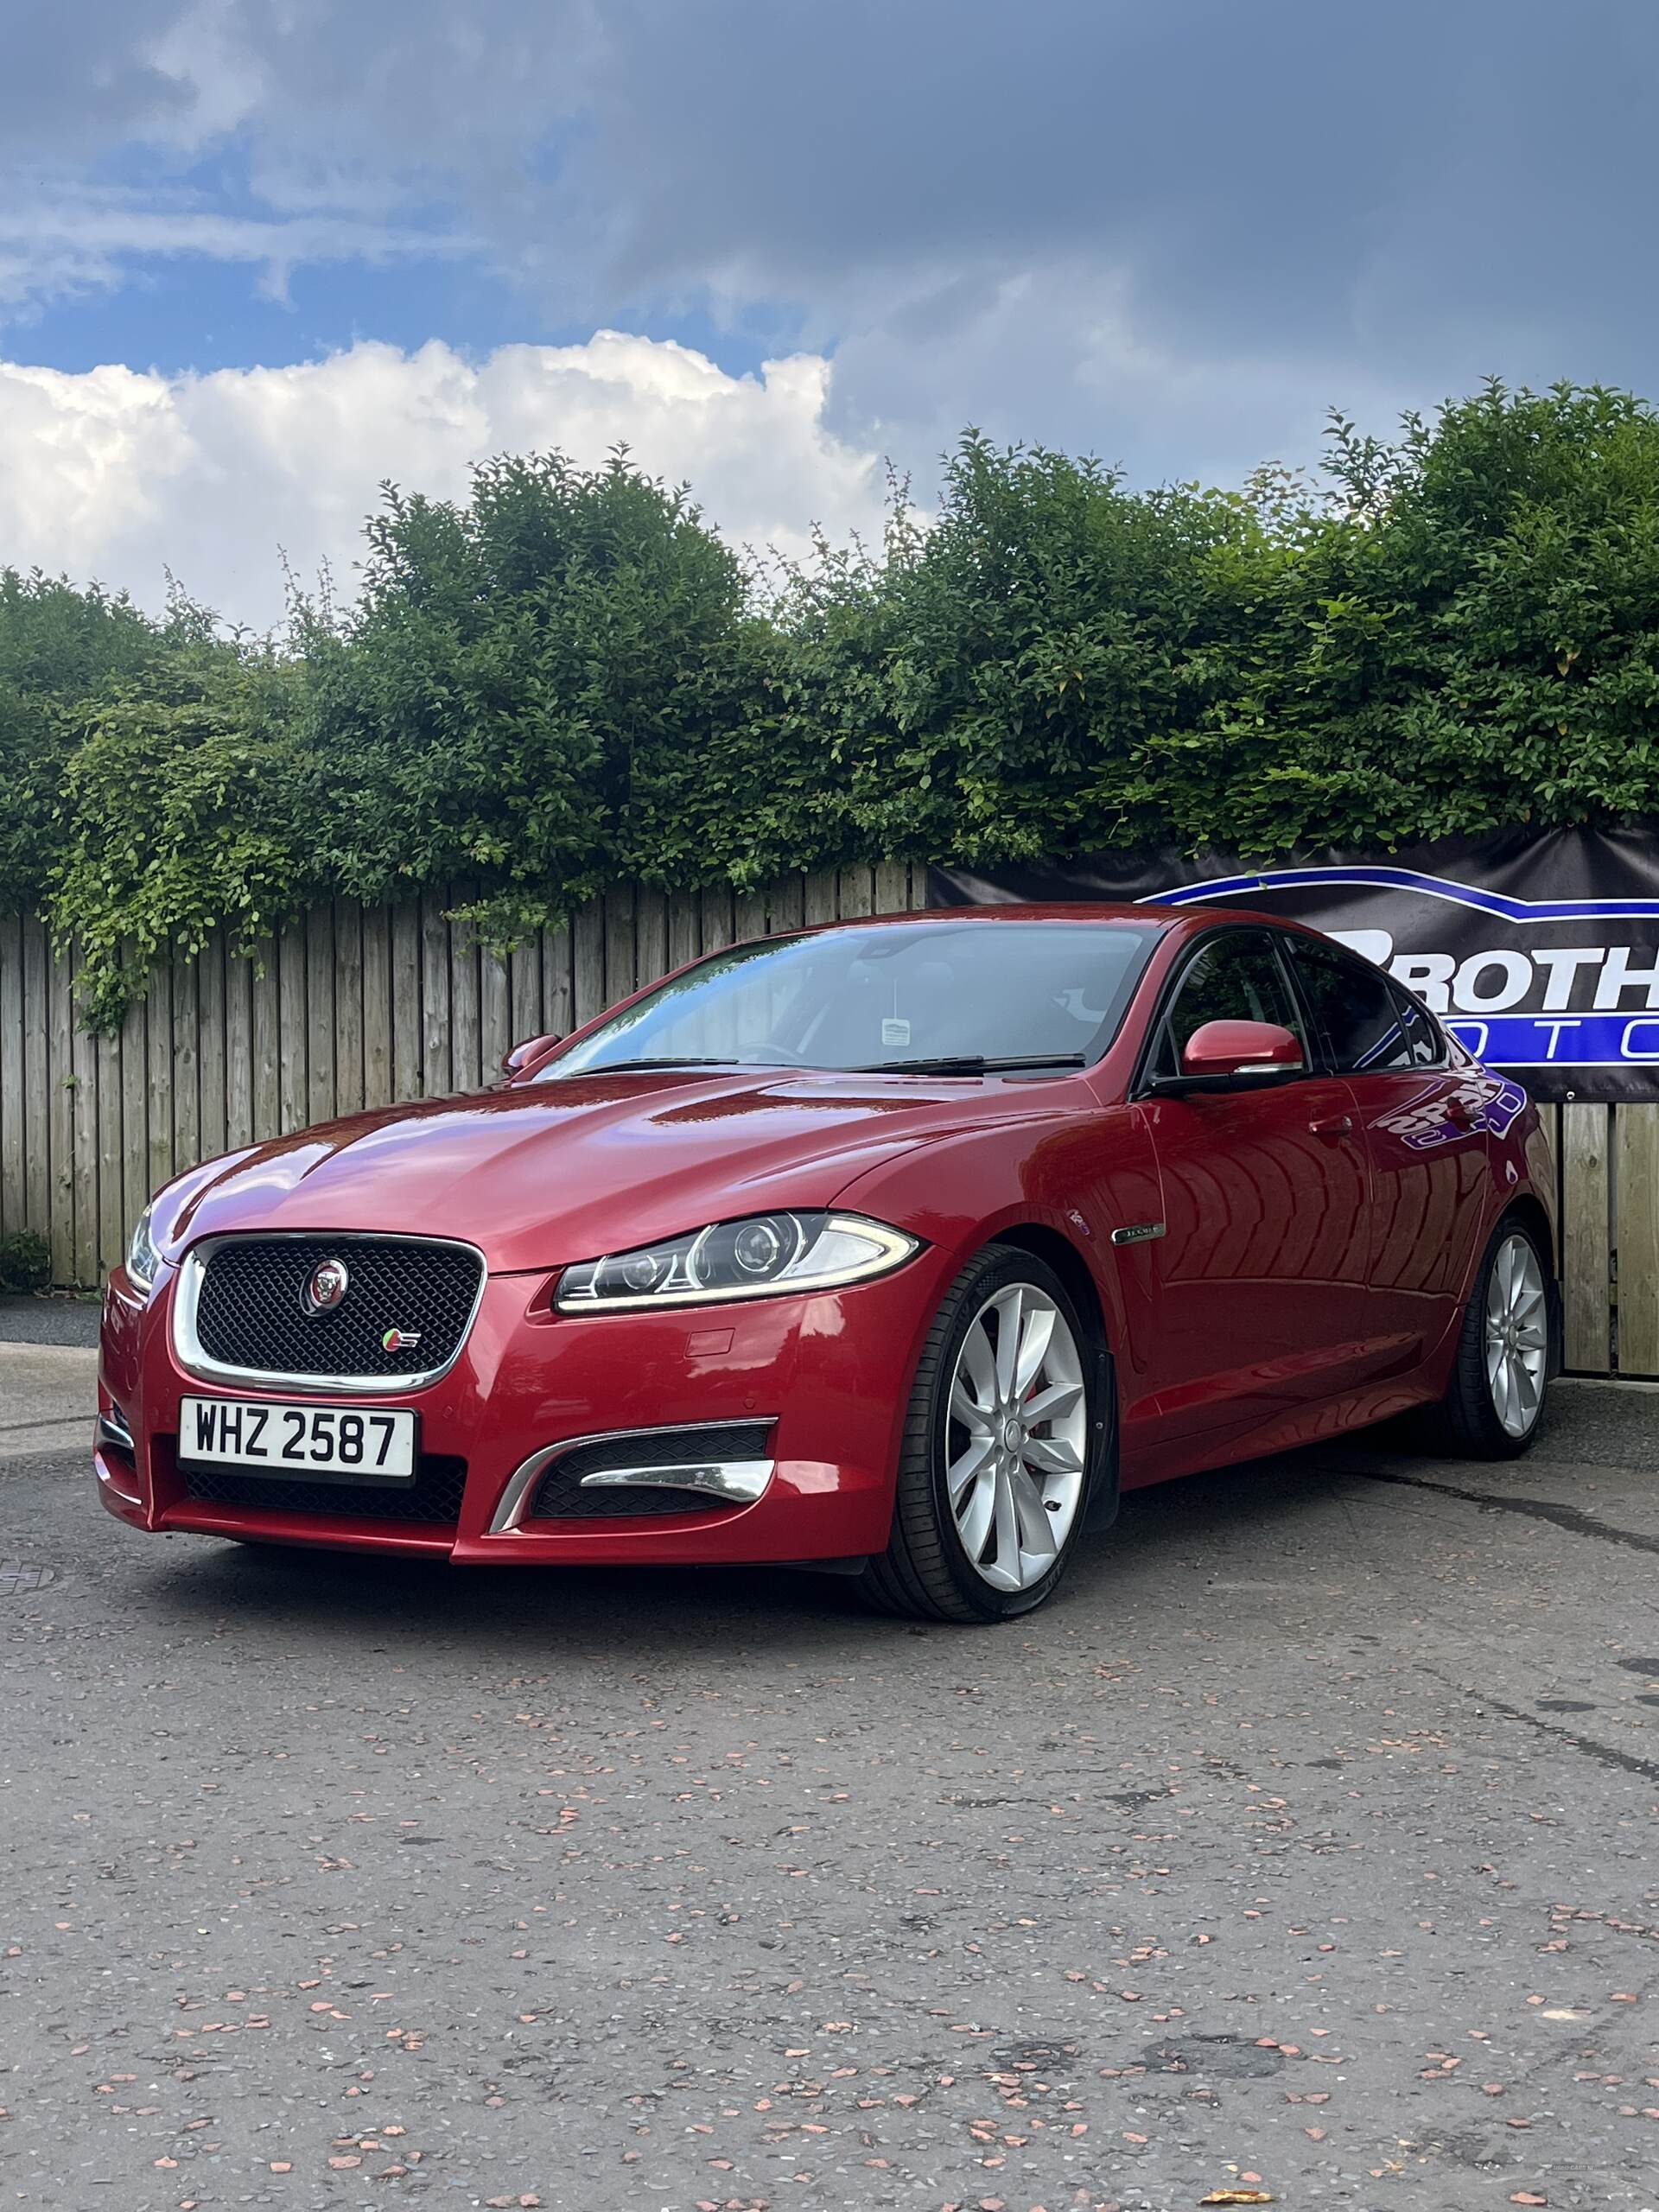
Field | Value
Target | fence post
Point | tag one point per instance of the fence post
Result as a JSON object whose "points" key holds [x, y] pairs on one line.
{"points": [[1586, 1256], [1635, 1196], [11, 1073]]}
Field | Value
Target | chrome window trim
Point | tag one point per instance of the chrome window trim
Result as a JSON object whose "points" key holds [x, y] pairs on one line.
{"points": [[515, 1498], [187, 1299]]}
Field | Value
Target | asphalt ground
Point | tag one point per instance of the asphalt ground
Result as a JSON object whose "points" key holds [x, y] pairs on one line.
{"points": [[53, 1319], [1305, 1846]]}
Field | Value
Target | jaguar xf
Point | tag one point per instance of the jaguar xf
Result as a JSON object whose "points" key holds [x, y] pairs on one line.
{"points": [[898, 1249]]}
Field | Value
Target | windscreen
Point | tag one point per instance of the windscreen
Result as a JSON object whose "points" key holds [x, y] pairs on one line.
{"points": [[915, 994]]}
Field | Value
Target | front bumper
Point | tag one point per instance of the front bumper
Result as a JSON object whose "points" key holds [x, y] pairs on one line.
{"points": [[832, 1371]]}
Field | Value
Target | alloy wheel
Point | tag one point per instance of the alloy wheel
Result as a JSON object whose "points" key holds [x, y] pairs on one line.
{"points": [[1016, 1437], [1517, 1343]]}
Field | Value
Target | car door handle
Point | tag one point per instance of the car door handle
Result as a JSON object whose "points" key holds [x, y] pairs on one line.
{"points": [[1332, 1126]]}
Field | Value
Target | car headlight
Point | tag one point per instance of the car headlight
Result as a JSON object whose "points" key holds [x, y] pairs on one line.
{"points": [[764, 1255], [142, 1258]]}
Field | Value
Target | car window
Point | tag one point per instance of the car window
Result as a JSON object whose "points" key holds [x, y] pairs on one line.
{"points": [[1236, 977], [1354, 1007], [1423, 1038], [884, 994]]}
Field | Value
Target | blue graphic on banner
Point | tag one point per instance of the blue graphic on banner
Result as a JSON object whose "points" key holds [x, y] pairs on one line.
{"points": [[1478, 900], [1543, 1040]]}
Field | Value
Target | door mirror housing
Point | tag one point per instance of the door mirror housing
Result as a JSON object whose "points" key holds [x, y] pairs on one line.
{"points": [[521, 1056], [1234, 1055]]}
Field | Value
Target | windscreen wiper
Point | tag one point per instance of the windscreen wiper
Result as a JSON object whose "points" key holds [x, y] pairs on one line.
{"points": [[973, 1063], [619, 1067]]}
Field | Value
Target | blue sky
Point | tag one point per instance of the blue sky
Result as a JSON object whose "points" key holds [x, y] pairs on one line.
{"points": [[249, 254]]}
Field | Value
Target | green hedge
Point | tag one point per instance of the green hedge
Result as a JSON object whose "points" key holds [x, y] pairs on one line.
{"points": [[571, 680]]}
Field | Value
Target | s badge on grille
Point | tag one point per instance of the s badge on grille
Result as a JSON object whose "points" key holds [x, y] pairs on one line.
{"points": [[329, 1284], [400, 1340]]}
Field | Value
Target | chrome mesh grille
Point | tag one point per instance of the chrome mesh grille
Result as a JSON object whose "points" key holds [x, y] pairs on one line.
{"points": [[250, 1311]]}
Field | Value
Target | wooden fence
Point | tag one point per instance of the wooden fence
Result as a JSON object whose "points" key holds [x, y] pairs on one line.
{"points": [[355, 1007]]}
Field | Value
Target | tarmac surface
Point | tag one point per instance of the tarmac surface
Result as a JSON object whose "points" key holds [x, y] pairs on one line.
{"points": [[71, 1319], [1305, 1848]]}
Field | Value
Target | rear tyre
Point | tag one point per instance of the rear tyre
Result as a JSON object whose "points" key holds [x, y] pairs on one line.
{"points": [[1495, 1402], [1009, 1433]]}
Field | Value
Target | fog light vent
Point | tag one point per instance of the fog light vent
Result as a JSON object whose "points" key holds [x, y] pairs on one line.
{"points": [[115, 1433], [716, 1466]]}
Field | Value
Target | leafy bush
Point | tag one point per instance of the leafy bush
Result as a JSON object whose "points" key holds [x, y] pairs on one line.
{"points": [[25, 1262], [569, 680], [186, 810], [550, 687], [57, 644]]}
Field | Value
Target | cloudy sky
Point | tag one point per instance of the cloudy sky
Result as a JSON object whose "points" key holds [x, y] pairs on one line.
{"points": [[257, 255]]}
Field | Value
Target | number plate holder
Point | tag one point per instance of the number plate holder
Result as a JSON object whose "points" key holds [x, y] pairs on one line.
{"points": [[354, 1446]]}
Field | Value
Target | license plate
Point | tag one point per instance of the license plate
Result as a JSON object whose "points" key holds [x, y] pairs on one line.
{"points": [[337, 1444]]}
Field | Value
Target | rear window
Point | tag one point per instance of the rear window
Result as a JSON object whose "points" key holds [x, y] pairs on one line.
{"points": [[1421, 1030], [1354, 1007]]}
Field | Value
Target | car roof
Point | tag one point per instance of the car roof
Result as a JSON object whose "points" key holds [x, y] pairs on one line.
{"points": [[1093, 910], [1113, 912]]}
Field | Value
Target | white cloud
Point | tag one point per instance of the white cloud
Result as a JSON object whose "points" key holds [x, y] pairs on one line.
{"points": [[119, 475], [1122, 252], [74, 240]]}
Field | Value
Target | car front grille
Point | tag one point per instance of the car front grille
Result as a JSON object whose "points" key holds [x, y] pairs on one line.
{"points": [[560, 1495], [250, 1310], [433, 1499]]}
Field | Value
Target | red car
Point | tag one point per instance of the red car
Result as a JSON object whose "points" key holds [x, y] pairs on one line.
{"points": [[896, 1248]]}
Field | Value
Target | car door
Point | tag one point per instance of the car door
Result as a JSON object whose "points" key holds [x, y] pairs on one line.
{"points": [[1262, 1260], [1424, 1132]]}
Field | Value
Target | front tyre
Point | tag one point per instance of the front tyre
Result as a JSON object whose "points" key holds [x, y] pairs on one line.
{"points": [[1008, 1428], [1496, 1398]]}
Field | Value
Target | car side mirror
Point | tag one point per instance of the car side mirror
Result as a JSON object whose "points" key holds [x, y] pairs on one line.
{"points": [[520, 1057], [1232, 1055]]}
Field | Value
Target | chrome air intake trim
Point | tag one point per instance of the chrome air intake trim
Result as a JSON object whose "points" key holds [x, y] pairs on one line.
{"points": [[701, 1475], [738, 1482], [114, 1431]]}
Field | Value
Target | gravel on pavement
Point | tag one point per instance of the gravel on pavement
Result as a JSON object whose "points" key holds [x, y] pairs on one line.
{"points": [[1303, 1852]]}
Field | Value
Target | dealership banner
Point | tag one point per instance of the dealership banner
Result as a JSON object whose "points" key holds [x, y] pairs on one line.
{"points": [[1541, 952]]}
